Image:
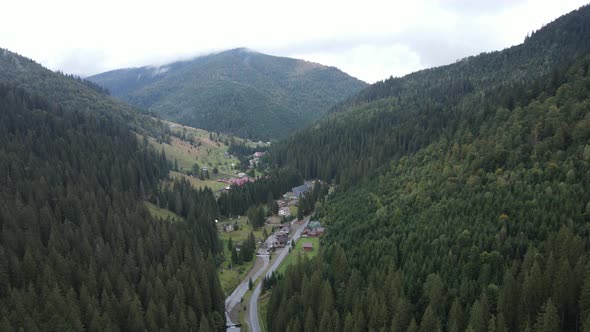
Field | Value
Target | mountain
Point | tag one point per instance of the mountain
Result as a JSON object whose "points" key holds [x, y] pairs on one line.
{"points": [[78, 247], [72, 93], [463, 198], [249, 94], [398, 116]]}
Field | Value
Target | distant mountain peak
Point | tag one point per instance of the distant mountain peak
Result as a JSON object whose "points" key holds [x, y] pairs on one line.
{"points": [[239, 91]]}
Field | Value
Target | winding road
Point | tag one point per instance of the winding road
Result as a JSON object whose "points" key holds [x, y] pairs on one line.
{"points": [[235, 298], [253, 306]]}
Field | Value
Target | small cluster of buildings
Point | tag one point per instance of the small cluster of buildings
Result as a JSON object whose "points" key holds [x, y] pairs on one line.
{"points": [[284, 211], [314, 229], [239, 181], [281, 238], [297, 192], [254, 161]]}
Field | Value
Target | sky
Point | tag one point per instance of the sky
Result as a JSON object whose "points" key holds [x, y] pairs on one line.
{"points": [[371, 40]]}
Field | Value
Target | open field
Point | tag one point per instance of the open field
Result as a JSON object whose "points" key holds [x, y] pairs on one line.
{"points": [[202, 148], [298, 251], [162, 213], [231, 278], [198, 183]]}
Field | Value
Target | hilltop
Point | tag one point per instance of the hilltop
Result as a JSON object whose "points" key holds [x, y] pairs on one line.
{"points": [[241, 92]]}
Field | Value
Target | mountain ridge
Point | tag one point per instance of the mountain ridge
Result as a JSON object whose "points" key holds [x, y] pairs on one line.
{"points": [[239, 91], [462, 199], [400, 115]]}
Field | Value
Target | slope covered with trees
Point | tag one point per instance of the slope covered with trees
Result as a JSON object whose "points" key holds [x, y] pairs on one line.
{"points": [[78, 248], [469, 212], [485, 230], [73, 93], [240, 91], [402, 115]]}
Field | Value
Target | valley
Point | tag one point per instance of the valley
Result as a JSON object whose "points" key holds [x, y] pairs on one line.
{"points": [[229, 189]]}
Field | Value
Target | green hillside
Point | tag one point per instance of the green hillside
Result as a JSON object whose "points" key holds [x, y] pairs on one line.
{"points": [[464, 202], [73, 93], [79, 249], [402, 115], [249, 94]]}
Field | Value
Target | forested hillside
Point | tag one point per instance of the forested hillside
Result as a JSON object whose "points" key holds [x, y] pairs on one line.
{"points": [[462, 209], [73, 93], [402, 115], [78, 249], [242, 92], [485, 231]]}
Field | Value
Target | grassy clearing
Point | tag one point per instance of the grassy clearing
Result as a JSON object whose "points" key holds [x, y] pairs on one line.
{"points": [[231, 278], [293, 210], [162, 213], [198, 148], [298, 251], [198, 183]]}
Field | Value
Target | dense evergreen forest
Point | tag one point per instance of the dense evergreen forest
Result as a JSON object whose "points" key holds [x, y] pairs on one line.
{"points": [[265, 189], [78, 249], [402, 115], [466, 209], [74, 94]]}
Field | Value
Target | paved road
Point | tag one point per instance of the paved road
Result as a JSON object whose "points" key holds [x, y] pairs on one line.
{"points": [[236, 296], [253, 307]]}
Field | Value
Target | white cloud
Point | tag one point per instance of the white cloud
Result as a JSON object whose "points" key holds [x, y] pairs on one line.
{"points": [[371, 39]]}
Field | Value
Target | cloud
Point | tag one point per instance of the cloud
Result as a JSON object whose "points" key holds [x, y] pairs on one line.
{"points": [[370, 40]]}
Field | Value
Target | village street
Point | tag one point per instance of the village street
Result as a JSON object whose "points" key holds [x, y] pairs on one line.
{"points": [[253, 305], [235, 298]]}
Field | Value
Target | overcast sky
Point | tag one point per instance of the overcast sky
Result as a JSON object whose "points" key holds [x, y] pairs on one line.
{"points": [[371, 40]]}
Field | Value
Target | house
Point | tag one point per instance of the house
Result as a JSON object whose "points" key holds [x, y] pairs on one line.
{"points": [[228, 228], [282, 203], [281, 239], [258, 154], [300, 190], [314, 228], [284, 211], [307, 246], [241, 175], [289, 196], [314, 224], [254, 162]]}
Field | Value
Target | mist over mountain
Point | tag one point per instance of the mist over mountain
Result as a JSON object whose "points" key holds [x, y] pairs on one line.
{"points": [[239, 91]]}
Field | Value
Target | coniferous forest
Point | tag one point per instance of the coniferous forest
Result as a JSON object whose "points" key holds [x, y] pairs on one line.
{"points": [[453, 199], [78, 249], [480, 224]]}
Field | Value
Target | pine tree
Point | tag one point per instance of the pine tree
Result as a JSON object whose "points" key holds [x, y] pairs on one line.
{"points": [[309, 325], [478, 320], [586, 324], [492, 326], [455, 322], [584, 301], [429, 321], [348, 323], [413, 327], [548, 318]]}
